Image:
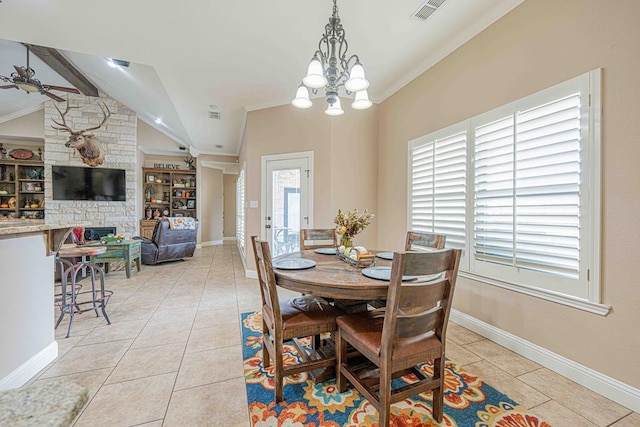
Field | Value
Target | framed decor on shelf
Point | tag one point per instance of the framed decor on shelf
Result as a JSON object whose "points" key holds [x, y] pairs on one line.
{"points": [[191, 204]]}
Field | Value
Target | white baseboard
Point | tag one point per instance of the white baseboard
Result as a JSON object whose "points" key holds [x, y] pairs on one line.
{"points": [[230, 238], [31, 367], [212, 243], [608, 387], [250, 274]]}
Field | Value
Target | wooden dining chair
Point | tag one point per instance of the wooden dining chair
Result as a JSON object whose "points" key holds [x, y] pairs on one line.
{"points": [[311, 238], [410, 330], [416, 240], [289, 320]]}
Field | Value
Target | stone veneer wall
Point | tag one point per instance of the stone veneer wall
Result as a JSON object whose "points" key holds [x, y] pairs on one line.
{"points": [[119, 142]]}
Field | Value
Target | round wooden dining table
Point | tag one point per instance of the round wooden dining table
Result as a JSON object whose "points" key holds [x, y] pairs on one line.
{"points": [[331, 278]]}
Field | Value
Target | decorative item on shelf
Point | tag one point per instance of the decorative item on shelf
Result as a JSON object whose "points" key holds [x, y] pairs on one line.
{"points": [[151, 178], [148, 212], [21, 154], [165, 212], [158, 180], [34, 174], [156, 213], [149, 192], [350, 224], [3, 152], [192, 181], [191, 204], [330, 68], [12, 203], [30, 186], [40, 156], [189, 160]]}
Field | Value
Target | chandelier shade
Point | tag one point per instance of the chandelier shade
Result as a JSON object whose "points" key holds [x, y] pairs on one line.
{"points": [[302, 97], [315, 75], [356, 81], [362, 101], [331, 69], [335, 109]]}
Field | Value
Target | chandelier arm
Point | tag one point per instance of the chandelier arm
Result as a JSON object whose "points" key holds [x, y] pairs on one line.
{"points": [[351, 58]]}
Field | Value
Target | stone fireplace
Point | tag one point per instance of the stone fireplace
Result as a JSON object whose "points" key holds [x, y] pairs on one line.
{"points": [[119, 143]]}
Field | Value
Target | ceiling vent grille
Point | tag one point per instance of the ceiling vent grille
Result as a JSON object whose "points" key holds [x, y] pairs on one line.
{"points": [[427, 9], [214, 115]]}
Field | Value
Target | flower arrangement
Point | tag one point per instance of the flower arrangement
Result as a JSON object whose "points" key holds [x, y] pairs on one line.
{"points": [[351, 223]]}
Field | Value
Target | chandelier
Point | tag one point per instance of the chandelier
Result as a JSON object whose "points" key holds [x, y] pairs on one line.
{"points": [[330, 69]]}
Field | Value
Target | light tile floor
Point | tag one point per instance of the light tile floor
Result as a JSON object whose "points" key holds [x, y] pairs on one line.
{"points": [[172, 356]]}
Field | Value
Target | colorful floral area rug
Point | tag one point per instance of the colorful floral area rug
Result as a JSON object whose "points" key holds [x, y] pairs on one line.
{"points": [[469, 402]]}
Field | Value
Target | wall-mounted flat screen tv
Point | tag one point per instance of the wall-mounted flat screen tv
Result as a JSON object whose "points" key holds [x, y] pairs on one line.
{"points": [[78, 183]]}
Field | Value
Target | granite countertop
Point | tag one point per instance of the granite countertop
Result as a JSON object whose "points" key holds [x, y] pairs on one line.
{"points": [[16, 226], [51, 403]]}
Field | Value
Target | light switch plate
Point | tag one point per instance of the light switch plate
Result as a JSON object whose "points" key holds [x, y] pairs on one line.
{"points": [[253, 203]]}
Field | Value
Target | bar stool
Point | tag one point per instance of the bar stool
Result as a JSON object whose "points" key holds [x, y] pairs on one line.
{"points": [[68, 298]]}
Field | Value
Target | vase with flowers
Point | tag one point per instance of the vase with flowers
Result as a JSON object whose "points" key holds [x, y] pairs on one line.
{"points": [[351, 223]]}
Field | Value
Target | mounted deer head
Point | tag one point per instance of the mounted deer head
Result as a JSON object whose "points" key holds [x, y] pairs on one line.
{"points": [[88, 146]]}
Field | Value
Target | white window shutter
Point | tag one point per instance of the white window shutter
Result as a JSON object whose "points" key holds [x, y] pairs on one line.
{"points": [[547, 194], [438, 187]]}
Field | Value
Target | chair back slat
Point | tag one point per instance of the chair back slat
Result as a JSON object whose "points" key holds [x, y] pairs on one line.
{"points": [[267, 281], [311, 238], [415, 308], [417, 241], [416, 297], [411, 325]]}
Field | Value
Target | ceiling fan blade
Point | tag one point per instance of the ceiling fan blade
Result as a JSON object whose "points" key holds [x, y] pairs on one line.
{"points": [[9, 87], [52, 96], [21, 72], [63, 89]]}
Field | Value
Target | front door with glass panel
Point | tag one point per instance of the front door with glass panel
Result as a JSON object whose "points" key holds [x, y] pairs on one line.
{"points": [[287, 198]]}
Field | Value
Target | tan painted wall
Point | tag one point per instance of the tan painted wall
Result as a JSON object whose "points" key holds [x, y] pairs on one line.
{"points": [[344, 154], [210, 183], [152, 138], [29, 126], [229, 214], [538, 44]]}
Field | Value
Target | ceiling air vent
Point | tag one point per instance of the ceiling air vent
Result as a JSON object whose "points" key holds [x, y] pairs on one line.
{"points": [[214, 115], [426, 9]]}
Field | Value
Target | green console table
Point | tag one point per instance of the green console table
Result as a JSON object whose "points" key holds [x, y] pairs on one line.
{"points": [[128, 251]]}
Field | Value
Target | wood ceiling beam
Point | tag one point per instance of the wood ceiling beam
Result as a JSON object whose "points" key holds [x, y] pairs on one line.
{"points": [[60, 65]]}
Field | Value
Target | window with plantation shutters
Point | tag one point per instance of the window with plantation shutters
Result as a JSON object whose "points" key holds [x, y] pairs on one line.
{"points": [[240, 218], [527, 188], [518, 188], [438, 186]]}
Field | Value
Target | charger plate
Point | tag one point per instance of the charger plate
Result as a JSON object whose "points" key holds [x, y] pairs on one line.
{"points": [[385, 255], [384, 273], [326, 251], [294, 264]]}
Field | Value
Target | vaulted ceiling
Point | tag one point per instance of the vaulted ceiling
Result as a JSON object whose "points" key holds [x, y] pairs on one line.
{"points": [[190, 58]]}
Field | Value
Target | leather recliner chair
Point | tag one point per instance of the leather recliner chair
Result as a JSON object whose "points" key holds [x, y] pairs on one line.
{"points": [[168, 244]]}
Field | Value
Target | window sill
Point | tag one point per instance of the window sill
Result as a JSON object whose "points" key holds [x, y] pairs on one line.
{"points": [[579, 303]]}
